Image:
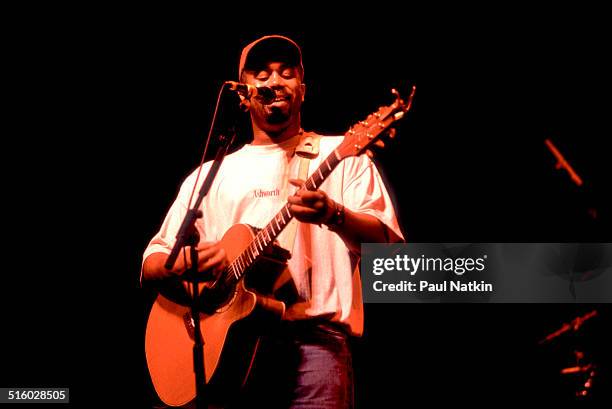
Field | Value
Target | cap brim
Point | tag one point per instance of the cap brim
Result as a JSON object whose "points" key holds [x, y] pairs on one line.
{"points": [[270, 48]]}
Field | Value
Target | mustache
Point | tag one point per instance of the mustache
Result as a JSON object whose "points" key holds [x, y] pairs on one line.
{"points": [[279, 96], [282, 95]]}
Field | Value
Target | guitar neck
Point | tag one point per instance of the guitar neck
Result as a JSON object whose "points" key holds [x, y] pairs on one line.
{"points": [[271, 231]]}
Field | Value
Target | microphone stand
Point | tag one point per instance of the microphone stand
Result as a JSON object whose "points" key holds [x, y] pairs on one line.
{"points": [[188, 236]]}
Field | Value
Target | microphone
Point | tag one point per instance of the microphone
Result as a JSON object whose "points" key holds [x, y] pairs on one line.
{"points": [[265, 94]]}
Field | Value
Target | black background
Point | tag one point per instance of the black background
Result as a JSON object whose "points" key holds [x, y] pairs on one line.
{"points": [[108, 113]]}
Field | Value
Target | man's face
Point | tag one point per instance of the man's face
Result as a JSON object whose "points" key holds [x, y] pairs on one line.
{"points": [[286, 82]]}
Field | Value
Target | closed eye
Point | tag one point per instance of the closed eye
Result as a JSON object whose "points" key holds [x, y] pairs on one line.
{"points": [[288, 72]]}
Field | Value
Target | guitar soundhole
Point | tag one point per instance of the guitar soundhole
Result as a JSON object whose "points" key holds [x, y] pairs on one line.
{"points": [[215, 297]]}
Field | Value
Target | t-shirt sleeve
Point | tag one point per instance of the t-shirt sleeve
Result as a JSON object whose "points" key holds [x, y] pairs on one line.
{"points": [[164, 239], [364, 192]]}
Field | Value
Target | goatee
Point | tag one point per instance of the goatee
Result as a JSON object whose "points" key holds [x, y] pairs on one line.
{"points": [[277, 116]]}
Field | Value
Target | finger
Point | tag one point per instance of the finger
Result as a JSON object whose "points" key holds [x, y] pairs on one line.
{"points": [[216, 262], [319, 205], [204, 255], [304, 213], [205, 245], [311, 196], [302, 184], [208, 252], [214, 265], [295, 200], [296, 182]]}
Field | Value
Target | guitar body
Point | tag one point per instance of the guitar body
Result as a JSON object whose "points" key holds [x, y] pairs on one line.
{"points": [[169, 337]]}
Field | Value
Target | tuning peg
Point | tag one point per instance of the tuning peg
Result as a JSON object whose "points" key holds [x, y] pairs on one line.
{"points": [[391, 132], [398, 98], [379, 143]]}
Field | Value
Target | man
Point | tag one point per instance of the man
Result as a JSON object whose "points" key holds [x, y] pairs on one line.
{"points": [[309, 350]]}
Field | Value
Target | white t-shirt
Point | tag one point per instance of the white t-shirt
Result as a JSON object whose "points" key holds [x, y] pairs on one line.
{"points": [[252, 186]]}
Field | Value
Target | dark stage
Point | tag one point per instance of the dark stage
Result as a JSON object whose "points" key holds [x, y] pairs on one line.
{"points": [[117, 113]]}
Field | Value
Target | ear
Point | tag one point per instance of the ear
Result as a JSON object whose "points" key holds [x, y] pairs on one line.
{"points": [[303, 88]]}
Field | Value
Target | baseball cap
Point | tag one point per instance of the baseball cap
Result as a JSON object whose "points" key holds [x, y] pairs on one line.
{"points": [[268, 48]]}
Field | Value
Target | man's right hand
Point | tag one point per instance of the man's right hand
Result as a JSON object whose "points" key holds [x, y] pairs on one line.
{"points": [[212, 259]]}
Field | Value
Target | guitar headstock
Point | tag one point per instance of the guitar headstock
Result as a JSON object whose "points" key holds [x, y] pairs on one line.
{"points": [[361, 136]]}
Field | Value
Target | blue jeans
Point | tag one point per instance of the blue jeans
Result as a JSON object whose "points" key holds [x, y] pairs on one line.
{"points": [[302, 365]]}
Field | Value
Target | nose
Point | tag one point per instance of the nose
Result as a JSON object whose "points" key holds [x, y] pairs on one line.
{"points": [[276, 80]]}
